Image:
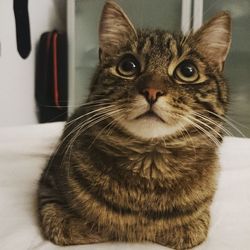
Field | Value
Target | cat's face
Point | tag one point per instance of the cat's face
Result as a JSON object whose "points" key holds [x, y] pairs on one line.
{"points": [[159, 82]]}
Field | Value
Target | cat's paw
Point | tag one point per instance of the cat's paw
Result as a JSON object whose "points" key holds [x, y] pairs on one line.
{"points": [[186, 236], [63, 229]]}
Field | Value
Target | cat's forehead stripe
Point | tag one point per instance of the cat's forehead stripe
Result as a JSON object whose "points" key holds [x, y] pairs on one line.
{"points": [[152, 40]]}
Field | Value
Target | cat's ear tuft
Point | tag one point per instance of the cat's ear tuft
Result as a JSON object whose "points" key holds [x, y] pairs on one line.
{"points": [[213, 39], [115, 30]]}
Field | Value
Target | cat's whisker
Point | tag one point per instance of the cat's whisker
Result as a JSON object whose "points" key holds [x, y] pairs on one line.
{"points": [[236, 122], [61, 144], [202, 129], [73, 131], [91, 112], [190, 138], [81, 129], [85, 126], [227, 122], [97, 114], [206, 125], [114, 121], [90, 120], [205, 118], [108, 115]]}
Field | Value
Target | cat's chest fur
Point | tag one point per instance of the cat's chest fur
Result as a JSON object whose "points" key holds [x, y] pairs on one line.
{"points": [[152, 161], [136, 177], [155, 164], [150, 165]]}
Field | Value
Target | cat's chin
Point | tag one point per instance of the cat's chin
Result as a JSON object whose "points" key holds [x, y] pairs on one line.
{"points": [[150, 128]]}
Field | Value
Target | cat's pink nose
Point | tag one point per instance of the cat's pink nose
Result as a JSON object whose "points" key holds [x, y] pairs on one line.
{"points": [[152, 94]]}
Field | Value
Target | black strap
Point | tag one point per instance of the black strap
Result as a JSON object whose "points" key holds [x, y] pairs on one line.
{"points": [[22, 27]]}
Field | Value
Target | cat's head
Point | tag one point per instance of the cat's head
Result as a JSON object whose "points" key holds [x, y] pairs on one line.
{"points": [[159, 83]]}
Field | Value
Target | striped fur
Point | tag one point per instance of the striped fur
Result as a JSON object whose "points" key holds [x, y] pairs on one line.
{"points": [[115, 177]]}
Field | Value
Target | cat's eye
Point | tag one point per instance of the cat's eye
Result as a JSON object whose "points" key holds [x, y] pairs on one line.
{"points": [[186, 72], [128, 66]]}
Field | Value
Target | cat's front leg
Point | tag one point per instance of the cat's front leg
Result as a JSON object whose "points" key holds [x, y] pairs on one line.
{"points": [[62, 228], [186, 236]]}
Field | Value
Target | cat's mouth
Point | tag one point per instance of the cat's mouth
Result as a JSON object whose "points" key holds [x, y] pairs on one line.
{"points": [[151, 115]]}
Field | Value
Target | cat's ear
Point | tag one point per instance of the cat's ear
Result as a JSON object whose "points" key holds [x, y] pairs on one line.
{"points": [[213, 39], [115, 30]]}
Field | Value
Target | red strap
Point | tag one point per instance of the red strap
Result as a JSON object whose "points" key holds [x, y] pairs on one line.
{"points": [[55, 70]]}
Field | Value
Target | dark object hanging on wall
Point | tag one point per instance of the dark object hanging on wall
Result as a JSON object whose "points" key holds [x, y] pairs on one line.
{"points": [[51, 89], [22, 27]]}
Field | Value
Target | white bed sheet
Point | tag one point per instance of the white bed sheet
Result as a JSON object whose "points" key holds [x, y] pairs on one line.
{"points": [[23, 154]]}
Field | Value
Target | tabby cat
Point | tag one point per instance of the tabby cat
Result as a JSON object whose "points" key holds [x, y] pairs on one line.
{"points": [[139, 160]]}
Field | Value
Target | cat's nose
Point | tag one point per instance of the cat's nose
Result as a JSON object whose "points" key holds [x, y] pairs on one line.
{"points": [[151, 94]]}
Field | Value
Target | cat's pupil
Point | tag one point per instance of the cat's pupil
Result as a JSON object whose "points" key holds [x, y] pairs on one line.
{"points": [[128, 66], [187, 69]]}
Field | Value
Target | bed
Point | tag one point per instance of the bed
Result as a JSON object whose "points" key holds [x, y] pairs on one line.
{"points": [[25, 150]]}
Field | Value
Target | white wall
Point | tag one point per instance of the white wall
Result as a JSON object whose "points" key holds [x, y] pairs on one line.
{"points": [[17, 76]]}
